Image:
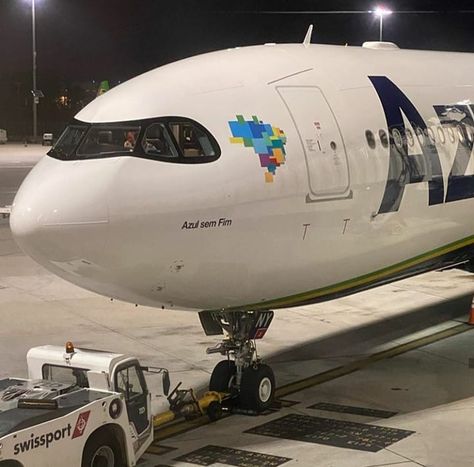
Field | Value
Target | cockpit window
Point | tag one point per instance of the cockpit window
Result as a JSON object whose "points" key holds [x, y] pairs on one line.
{"points": [[167, 139], [192, 141], [157, 141], [68, 141], [105, 141]]}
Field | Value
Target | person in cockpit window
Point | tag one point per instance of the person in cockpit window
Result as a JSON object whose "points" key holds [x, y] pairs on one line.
{"points": [[130, 141]]}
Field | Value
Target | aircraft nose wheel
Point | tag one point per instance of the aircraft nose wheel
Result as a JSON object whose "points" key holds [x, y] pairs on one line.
{"points": [[257, 389], [223, 376], [249, 383]]}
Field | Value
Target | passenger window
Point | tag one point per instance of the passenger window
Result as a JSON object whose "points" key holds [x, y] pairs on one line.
{"points": [[420, 135], [383, 138], [192, 140], [398, 139], [410, 137], [452, 135], [442, 136], [157, 142], [470, 134], [431, 136], [128, 382], [370, 139], [460, 133]]}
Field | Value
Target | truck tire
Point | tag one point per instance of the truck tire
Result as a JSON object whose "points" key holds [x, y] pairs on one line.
{"points": [[101, 450]]}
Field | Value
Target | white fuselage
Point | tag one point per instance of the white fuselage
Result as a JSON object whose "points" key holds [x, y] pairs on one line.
{"points": [[230, 234]]}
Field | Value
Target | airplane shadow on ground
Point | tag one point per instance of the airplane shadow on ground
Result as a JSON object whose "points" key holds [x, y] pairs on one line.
{"points": [[441, 378], [350, 345], [363, 339]]}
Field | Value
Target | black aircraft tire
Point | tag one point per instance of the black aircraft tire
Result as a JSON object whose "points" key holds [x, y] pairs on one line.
{"points": [[222, 375], [101, 450], [257, 389]]}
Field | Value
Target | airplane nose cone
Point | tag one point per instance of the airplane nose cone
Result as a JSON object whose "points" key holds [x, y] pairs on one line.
{"points": [[60, 215]]}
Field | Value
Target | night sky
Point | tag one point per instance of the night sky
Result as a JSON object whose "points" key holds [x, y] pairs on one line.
{"points": [[85, 40]]}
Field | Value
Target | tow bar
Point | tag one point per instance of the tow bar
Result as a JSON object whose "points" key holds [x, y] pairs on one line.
{"points": [[185, 404]]}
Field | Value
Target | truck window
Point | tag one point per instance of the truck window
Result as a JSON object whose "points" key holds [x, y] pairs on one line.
{"points": [[66, 375], [129, 383]]}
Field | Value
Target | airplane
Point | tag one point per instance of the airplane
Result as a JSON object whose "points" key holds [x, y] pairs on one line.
{"points": [[242, 181]]}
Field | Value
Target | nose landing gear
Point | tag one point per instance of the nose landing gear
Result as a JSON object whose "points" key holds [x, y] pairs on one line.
{"points": [[250, 382]]}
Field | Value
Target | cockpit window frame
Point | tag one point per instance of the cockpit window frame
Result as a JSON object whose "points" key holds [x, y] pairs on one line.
{"points": [[138, 150], [75, 125], [105, 155]]}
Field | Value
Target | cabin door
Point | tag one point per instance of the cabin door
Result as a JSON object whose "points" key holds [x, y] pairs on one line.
{"points": [[321, 141]]}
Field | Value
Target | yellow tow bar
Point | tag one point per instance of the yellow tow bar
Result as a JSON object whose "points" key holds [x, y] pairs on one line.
{"points": [[210, 403]]}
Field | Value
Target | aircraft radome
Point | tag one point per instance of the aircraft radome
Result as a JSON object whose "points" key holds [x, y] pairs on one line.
{"points": [[242, 181]]}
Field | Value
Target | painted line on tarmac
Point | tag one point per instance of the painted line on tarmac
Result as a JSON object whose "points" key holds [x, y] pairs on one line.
{"points": [[306, 383], [365, 362]]}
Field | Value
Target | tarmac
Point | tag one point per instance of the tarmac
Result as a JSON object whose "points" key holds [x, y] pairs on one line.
{"points": [[16, 160], [387, 374]]}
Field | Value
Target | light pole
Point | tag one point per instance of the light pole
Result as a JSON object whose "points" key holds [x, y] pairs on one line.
{"points": [[34, 91], [381, 12]]}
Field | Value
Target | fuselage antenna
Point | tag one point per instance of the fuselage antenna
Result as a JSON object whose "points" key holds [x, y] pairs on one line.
{"points": [[307, 38]]}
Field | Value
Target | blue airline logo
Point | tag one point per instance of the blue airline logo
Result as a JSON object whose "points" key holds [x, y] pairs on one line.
{"points": [[424, 167]]}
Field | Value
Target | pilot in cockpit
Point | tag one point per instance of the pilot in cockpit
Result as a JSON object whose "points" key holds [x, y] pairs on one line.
{"points": [[130, 141]]}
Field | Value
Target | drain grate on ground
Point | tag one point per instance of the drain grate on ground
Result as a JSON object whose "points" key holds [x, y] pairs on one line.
{"points": [[209, 455], [352, 410], [331, 432]]}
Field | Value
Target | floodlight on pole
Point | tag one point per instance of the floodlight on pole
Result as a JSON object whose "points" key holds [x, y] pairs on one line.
{"points": [[381, 12]]}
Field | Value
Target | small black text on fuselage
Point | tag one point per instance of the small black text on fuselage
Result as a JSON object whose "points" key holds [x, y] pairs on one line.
{"points": [[206, 224]]}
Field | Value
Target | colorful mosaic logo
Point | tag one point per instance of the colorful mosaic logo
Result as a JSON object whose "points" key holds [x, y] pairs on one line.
{"points": [[266, 140]]}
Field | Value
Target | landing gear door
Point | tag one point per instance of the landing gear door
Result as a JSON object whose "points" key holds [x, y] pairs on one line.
{"points": [[129, 380], [321, 141]]}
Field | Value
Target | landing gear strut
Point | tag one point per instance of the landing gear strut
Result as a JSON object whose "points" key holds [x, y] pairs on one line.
{"points": [[250, 382]]}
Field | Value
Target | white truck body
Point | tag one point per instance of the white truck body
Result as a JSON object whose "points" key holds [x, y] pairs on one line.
{"points": [[100, 396]]}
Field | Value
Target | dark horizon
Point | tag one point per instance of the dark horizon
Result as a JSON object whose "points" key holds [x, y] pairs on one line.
{"points": [[93, 40]]}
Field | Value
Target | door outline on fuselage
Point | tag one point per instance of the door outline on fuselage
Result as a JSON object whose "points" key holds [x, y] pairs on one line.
{"points": [[313, 197]]}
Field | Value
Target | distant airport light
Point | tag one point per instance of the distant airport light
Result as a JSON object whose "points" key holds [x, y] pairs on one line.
{"points": [[381, 12]]}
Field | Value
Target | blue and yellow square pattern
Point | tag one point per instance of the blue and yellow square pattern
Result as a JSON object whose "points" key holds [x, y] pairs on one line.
{"points": [[267, 141]]}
